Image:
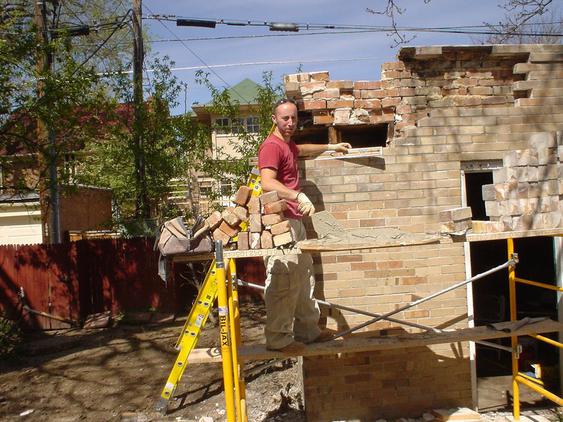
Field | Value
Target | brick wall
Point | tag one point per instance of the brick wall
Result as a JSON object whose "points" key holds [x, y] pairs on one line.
{"points": [[445, 105]]}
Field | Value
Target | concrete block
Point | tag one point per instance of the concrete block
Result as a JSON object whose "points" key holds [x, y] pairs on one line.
{"points": [[213, 220], [271, 219], [243, 243], [255, 223], [455, 214], [521, 157], [241, 213], [218, 234], [266, 240], [281, 227], [230, 217], [283, 239], [253, 205], [269, 197], [275, 207], [243, 195], [228, 229], [254, 240]]}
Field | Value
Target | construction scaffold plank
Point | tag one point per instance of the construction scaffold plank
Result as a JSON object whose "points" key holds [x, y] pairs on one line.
{"points": [[359, 343], [480, 237]]}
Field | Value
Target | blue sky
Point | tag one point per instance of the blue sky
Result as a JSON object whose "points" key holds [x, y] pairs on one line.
{"points": [[345, 56]]}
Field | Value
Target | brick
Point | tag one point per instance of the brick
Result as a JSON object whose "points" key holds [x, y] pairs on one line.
{"points": [[253, 205], [497, 191], [266, 240], [218, 234], [228, 229], [346, 85], [230, 217], [271, 219], [319, 76], [527, 173], [455, 214], [280, 228], [243, 241], [487, 226], [367, 84], [521, 157], [323, 119], [368, 104], [309, 88], [492, 208], [342, 116], [254, 223], [241, 213], [547, 220], [456, 226], [327, 94], [390, 102], [243, 195], [314, 105], [548, 172], [254, 240], [283, 239], [549, 187], [269, 197], [543, 140], [504, 174], [213, 220], [275, 207], [339, 103]]}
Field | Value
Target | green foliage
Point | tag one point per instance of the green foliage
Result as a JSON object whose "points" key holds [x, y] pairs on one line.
{"points": [[10, 337]]}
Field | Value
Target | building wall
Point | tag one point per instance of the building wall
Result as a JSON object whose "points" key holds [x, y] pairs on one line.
{"points": [[446, 105], [20, 224]]}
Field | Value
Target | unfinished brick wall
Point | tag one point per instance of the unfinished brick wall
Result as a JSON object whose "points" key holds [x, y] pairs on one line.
{"points": [[445, 105]]}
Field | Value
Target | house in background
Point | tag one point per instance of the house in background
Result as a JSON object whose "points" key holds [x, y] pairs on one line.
{"points": [[195, 191]]}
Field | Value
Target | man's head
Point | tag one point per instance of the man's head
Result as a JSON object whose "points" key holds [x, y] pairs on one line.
{"points": [[285, 118]]}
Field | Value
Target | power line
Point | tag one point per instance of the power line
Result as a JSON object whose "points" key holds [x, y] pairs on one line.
{"points": [[197, 56]]}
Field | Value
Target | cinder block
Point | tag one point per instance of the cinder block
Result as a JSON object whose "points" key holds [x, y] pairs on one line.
{"points": [[253, 205], [266, 240], [269, 197], [218, 234], [283, 239], [213, 220], [254, 223], [228, 229], [275, 207], [281, 227], [241, 213], [255, 240], [521, 157], [243, 241], [230, 217], [243, 195], [455, 214], [271, 219]]}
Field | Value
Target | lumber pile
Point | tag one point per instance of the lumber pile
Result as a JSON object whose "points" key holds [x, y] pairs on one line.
{"points": [[254, 222]]}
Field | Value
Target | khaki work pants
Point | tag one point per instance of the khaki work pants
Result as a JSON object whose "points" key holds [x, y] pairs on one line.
{"points": [[291, 311]]}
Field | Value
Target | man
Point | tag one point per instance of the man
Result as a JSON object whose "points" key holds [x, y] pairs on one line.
{"points": [[292, 315]]}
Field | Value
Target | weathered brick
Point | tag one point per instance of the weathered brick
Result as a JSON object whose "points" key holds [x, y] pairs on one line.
{"points": [[228, 229], [253, 205], [230, 217], [255, 223], [283, 239], [242, 195], [390, 102], [323, 119], [254, 240], [521, 157], [314, 104], [280, 228], [327, 94], [275, 207], [339, 103], [241, 213], [346, 85], [455, 214], [455, 226], [213, 220], [271, 219], [218, 234], [367, 84], [548, 172], [243, 241], [266, 240], [487, 226], [319, 76], [269, 197]]}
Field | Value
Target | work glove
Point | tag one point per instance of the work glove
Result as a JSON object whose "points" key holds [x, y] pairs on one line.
{"points": [[305, 206]]}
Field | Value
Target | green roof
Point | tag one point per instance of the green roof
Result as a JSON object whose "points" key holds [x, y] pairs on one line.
{"points": [[245, 92]]}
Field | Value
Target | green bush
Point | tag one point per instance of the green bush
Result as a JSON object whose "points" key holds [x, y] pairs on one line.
{"points": [[10, 337]]}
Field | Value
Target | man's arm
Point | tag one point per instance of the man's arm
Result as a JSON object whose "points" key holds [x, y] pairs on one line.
{"points": [[270, 183], [306, 150]]}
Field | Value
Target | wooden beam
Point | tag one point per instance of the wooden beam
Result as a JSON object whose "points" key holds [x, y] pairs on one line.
{"points": [[358, 343], [479, 237]]}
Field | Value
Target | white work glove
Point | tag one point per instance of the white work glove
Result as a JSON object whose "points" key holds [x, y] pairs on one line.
{"points": [[341, 147], [305, 205]]}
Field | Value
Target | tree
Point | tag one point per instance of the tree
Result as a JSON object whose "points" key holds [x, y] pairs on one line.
{"points": [[521, 17]]}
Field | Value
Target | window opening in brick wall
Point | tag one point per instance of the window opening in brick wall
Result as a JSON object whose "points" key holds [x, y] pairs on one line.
{"points": [[363, 136], [490, 295], [311, 135]]}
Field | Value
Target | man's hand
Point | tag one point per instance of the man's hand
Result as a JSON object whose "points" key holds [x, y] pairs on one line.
{"points": [[305, 206], [341, 147]]}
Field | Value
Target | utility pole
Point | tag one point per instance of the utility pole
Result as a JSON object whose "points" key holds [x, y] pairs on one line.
{"points": [[141, 201], [45, 134]]}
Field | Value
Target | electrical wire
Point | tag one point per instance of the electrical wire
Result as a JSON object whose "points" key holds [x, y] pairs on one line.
{"points": [[198, 57]]}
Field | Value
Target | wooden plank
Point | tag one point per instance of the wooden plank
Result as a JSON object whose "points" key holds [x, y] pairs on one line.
{"points": [[314, 245], [355, 344], [480, 237]]}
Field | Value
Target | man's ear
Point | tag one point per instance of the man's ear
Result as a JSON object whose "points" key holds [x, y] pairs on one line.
{"points": [[273, 118]]}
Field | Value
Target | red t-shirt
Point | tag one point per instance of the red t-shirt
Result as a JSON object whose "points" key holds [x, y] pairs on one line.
{"points": [[276, 154]]}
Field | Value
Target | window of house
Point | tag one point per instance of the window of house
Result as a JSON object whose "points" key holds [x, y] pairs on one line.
{"points": [[237, 125], [252, 124], [363, 136], [226, 187], [205, 191], [222, 125]]}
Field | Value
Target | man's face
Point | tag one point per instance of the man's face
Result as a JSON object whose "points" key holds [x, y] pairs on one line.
{"points": [[285, 118]]}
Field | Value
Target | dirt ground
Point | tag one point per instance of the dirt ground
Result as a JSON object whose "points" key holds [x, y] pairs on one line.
{"points": [[118, 374]]}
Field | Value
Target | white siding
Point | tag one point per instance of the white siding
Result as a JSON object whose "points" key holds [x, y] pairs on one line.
{"points": [[20, 224]]}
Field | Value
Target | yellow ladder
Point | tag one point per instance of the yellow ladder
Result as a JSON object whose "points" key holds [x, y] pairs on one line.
{"points": [[220, 283]]}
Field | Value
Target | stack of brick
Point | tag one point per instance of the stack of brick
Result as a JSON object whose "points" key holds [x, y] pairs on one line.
{"points": [[527, 191], [455, 220], [266, 225]]}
